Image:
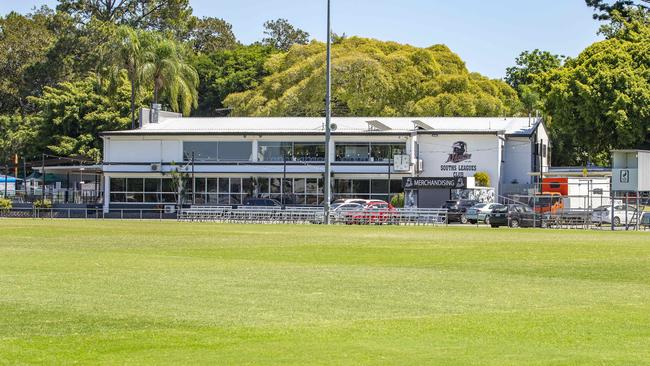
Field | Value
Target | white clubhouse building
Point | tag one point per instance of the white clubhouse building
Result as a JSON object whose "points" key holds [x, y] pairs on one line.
{"points": [[283, 158]]}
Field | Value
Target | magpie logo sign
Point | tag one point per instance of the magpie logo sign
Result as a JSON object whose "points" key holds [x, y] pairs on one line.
{"points": [[459, 153]]}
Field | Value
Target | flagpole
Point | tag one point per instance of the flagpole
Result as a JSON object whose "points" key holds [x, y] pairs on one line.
{"points": [[327, 185]]}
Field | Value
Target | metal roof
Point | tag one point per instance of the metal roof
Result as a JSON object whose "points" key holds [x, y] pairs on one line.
{"points": [[345, 125]]}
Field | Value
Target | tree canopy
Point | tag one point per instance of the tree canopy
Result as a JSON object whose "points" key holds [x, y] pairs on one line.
{"points": [[601, 100], [281, 35], [374, 78]]}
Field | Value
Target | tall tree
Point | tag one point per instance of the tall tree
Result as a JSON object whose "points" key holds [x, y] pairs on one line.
{"points": [[171, 16], [73, 114], [529, 64], [24, 42], [604, 9], [282, 35], [601, 100], [374, 78], [167, 69], [229, 71], [212, 34], [127, 51]]}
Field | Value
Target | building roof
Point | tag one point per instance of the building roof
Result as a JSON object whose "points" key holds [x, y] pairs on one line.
{"points": [[347, 125]]}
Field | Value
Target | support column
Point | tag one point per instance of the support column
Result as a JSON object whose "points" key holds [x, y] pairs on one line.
{"points": [[107, 193]]}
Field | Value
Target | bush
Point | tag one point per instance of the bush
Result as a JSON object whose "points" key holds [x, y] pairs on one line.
{"points": [[397, 200], [5, 205], [44, 203], [482, 179]]}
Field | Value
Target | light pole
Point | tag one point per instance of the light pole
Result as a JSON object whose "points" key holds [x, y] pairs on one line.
{"points": [[328, 117]]}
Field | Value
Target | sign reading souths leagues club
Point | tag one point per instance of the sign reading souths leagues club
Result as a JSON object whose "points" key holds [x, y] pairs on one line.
{"points": [[458, 155]]}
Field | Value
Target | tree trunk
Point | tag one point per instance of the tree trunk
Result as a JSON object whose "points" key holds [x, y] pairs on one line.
{"points": [[133, 104]]}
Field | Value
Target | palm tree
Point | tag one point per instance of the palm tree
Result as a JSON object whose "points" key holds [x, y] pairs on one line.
{"points": [[166, 68], [127, 52]]}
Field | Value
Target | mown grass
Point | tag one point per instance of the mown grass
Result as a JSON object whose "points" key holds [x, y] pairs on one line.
{"points": [[110, 292]]}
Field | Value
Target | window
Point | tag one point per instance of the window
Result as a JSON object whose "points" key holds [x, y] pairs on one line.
{"points": [[352, 152], [235, 151], [142, 190], [274, 151], [218, 151], [203, 151], [368, 151], [309, 151]]}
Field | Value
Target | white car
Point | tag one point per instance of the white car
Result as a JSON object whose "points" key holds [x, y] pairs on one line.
{"points": [[603, 215], [480, 212]]}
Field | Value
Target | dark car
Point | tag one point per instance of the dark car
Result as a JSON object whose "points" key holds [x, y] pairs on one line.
{"points": [[456, 209], [514, 215], [262, 202]]}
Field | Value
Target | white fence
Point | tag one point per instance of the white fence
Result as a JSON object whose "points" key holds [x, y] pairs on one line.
{"points": [[313, 215]]}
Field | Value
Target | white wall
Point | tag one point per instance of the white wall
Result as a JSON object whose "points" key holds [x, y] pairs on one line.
{"points": [[517, 160], [483, 155]]}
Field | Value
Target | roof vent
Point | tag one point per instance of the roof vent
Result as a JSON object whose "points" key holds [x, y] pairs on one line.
{"points": [[377, 126], [419, 125]]}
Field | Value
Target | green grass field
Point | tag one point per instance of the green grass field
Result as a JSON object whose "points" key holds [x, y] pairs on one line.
{"points": [[110, 292]]}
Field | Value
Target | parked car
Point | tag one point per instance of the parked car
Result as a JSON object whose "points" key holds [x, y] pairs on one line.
{"points": [[514, 215], [456, 210], [480, 212], [360, 201], [262, 202], [645, 221], [603, 215], [375, 212]]}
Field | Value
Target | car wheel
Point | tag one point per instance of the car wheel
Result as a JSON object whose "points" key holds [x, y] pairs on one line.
{"points": [[617, 221], [487, 220], [514, 223], [463, 219]]}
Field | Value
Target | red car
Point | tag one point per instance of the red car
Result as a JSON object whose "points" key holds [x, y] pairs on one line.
{"points": [[375, 212]]}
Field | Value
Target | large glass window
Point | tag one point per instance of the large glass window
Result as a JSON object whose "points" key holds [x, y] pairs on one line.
{"points": [[352, 152], [309, 151], [369, 151], [274, 151], [217, 150], [235, 151], [203, 151]]}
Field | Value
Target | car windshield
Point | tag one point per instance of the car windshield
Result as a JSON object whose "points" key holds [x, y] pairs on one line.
{"points": [[480, 205], [500, 209]]}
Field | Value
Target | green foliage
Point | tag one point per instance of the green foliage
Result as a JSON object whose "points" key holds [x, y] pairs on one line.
{"points": [[18, 135], [397, 200], [167, 70], [5, 205], [281, 35], [530, 65], [42, 203], [167, 16], [24, 43], [73, 115], [604, 10], [374, 78], [482, 179], [601, 100], [211, 35], [224, 72]]}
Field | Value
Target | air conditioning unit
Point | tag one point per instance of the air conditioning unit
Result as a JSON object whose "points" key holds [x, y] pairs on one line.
{"points": [[170, 209], [155, 167]]}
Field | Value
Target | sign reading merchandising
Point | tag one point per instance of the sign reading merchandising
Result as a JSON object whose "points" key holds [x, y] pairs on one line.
{"points": [[433, 183]]}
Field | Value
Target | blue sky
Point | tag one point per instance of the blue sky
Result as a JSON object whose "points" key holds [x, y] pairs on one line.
{"points": [[488, 35]]}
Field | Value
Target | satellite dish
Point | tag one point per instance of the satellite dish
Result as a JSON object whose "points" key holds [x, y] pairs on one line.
{"points": [[333, 126]]}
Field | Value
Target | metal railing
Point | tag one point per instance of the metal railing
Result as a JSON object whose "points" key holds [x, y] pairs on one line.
{"points": [[313, 215], [87, 213]]}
